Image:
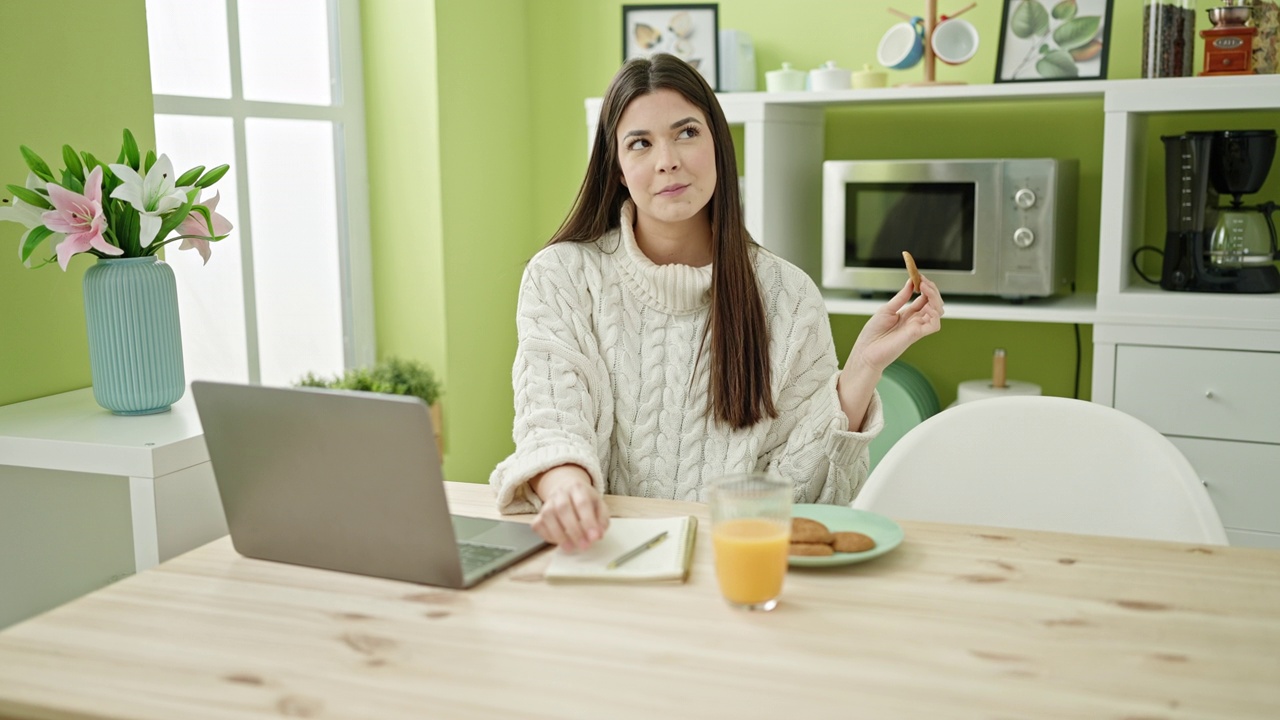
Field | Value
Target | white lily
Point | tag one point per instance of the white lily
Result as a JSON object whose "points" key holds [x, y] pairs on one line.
{"points": [[152, 196], [27, 215]]}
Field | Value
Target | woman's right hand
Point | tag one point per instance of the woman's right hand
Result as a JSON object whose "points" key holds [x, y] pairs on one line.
{"points": [[573, 514]]}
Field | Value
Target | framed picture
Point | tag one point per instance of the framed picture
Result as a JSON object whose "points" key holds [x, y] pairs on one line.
{"points": [[690, 32], [1053, 40]]}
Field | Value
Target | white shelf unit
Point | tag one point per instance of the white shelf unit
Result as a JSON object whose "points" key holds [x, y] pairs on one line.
{"points": [[1193, 342], [89, 497]]}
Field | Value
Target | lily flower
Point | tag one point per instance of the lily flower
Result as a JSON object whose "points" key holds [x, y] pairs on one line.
{"points": [[194, 224], [151, 196], [80, 217], [25, 214]]}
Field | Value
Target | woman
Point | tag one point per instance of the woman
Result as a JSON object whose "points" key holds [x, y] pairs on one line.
{"points": [[660, 347]]}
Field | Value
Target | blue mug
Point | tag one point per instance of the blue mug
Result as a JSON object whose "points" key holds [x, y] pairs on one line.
{"points": [[903, 45]]}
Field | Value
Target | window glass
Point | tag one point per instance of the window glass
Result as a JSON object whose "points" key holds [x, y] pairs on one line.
{"points": [[284, 51], [210, 297], [295, 248], [188, 45]]}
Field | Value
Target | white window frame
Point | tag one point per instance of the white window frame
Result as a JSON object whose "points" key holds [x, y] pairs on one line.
{"points": [[351, 172]]}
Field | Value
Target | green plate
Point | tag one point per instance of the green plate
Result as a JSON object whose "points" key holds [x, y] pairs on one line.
{"points": [[838, 518]]}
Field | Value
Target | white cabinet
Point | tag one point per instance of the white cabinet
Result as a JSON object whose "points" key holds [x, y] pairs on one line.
{"points": [[783, 154], [87, 497]]}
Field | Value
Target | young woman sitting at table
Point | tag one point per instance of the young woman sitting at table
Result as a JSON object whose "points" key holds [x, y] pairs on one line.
{"points": [[661, 347]]}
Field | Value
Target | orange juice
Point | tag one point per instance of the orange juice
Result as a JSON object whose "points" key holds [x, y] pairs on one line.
{"points": [[751, 559]]}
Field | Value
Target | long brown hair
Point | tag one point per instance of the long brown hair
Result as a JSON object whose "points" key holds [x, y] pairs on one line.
{"points": [[740, 392]]}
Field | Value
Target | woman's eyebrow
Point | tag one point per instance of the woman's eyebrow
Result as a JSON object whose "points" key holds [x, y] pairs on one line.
{"points": [[677, 124]]}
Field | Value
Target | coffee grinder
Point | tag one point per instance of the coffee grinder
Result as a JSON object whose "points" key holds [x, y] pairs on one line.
{"points": [[1228, 46], [1227, 249]]}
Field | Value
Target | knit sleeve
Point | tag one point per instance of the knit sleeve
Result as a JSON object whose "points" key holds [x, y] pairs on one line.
{"points": [[562, 402], [810, 441]]}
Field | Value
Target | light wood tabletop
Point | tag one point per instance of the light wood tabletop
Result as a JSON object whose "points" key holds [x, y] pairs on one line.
{"points": [[957, 622]]}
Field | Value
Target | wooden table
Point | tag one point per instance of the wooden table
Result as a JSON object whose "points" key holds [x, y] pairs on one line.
{"points": [[958, 622]]}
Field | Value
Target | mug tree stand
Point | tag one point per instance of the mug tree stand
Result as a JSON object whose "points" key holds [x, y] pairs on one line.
{"points": [[929, 61]]}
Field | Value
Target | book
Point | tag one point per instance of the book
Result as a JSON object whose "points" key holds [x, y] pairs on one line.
{"points": [[667, 559]]}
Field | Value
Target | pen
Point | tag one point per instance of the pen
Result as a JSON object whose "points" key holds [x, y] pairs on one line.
{"points": [[630, 554]]}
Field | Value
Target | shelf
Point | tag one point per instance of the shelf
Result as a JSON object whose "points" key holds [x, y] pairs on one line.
{"points": [[71, 432], [1223, 311], [1077, 308]]}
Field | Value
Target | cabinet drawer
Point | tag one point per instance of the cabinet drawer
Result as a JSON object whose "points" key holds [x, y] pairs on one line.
{"points": [[1226, 394], [1241, 479]]}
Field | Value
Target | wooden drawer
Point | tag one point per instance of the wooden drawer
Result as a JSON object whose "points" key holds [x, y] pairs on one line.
{"points": [[1225, 394], [1241, 478]]}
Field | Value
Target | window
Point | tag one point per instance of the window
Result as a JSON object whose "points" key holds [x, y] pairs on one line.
{"points": [[274, 90]]}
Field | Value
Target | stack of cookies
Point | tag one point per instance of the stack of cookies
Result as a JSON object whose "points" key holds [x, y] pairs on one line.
{"points": [[811, 538]]}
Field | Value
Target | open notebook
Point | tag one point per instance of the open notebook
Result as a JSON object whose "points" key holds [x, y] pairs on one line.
{"points": [[669, 559]]}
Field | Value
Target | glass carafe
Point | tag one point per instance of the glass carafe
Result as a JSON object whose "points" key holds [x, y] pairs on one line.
{"points": [[1242, 237]]}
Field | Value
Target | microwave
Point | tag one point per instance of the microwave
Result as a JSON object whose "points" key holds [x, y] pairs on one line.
{"points": [[994, 227]]}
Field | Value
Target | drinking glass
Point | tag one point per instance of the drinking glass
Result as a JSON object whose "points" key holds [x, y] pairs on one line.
{"points": [[750, 529]]}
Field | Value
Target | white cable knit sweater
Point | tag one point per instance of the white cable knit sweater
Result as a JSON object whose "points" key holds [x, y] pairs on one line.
{"points": [[605, 378]]}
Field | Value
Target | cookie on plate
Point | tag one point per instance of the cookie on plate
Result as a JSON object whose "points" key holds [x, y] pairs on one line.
{"points": [[804, 530], [809, 549], [852, 542]]}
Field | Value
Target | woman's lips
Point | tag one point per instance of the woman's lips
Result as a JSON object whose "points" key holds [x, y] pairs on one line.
{"points": [[672, 189]]}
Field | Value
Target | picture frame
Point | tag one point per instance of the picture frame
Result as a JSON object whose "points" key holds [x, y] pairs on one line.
{"points": [[691, 32], [1052, 40]]}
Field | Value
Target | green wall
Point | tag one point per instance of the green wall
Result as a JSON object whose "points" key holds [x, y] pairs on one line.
{"points": [[76, 72]]}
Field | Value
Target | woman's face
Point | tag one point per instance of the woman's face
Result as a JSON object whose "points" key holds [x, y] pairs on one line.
{"points": [[668, 158]]}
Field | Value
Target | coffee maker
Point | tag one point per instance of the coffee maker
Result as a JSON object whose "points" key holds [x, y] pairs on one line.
{"points": [[1210, 248]]}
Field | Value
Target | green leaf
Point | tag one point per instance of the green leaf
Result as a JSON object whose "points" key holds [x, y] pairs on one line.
{"points": [[34, 238], [1030, 18], [150, 160], [212, 176], [30, 197], [1077, 32], [175, 218], [1065, 10], [125, 225], [71, 182], [36, 164], [1057, 64], [130, 151], [72, 161], [189, 176]]}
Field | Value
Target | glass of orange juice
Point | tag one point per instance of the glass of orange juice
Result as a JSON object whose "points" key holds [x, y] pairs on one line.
{"points": [[750, 529]]}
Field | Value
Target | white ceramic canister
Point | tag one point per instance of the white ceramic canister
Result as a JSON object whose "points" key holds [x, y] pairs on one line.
{"points": [[786, 79], [830, 77]]}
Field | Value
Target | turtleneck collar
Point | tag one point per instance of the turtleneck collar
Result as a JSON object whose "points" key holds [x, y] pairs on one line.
{"points": [[675, 289]]}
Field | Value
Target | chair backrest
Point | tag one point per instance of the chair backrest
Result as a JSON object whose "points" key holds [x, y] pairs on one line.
{"points": [[1044, 463]]}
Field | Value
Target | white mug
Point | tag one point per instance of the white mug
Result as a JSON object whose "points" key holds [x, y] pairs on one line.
{"points": [[954, 41]]}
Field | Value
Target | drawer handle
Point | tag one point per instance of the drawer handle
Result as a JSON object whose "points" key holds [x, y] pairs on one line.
{"points": [[1208, 394]]}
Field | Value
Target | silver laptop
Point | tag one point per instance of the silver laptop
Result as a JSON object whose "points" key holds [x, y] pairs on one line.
{"points": [[347, 481]]}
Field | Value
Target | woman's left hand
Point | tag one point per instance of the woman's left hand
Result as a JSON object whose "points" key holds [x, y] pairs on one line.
{"points": [[896, 325]]}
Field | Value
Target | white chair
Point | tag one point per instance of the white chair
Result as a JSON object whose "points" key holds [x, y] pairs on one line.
{"points": [[1044, 463]]}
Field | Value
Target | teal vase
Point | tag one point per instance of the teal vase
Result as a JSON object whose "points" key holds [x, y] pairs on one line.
{"points": [[135, 340]]}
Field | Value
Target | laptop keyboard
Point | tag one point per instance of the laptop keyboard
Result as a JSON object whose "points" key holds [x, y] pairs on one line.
{"points": [[475, 555]]}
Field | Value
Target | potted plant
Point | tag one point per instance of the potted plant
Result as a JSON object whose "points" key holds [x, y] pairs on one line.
{"points": [[394, 376]]}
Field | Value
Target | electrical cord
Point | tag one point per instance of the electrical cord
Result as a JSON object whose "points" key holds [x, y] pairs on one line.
{"points": [[1133, 260]]}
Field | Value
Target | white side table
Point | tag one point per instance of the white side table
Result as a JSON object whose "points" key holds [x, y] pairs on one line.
{"points": [[87, 497]]}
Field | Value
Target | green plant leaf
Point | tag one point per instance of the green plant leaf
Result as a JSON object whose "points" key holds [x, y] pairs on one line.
{"points": [[175, 218], [1029, 19], [189, 176], [72, 161], [1074, 33], [71, 182], [212, 176], [34, 238], [1065, 10], [1057, 64], [30, 197], [36, 164], [130, 151], [150, 160]]}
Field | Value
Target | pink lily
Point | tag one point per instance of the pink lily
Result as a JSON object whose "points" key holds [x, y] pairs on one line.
{"points": [[80, 217], [194, 224]]}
